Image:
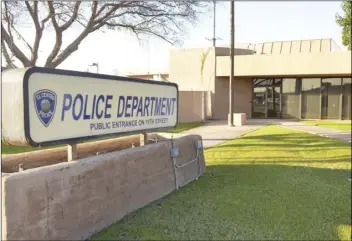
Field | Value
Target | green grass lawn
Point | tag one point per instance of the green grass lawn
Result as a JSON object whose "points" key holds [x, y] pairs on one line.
{"points": [[342, 126], [274, 183], [6, 149]]}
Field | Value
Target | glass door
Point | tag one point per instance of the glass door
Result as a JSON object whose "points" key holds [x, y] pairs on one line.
{"points": [[267, 101], [274, 102], [259, 102]]}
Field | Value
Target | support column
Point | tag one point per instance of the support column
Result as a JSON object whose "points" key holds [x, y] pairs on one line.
{"points": [[71, 152], [143, 139]]}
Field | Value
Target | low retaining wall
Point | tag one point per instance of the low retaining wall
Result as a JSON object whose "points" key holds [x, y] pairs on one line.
{"points": [[73, 200]]}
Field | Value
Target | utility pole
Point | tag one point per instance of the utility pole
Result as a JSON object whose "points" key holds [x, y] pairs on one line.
{"points": [[214, 45], [209, 99], [214, 38], [232, 48], [214, 25]]}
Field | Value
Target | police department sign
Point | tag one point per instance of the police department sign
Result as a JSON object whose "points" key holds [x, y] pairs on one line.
{"points": [[49, 106]]}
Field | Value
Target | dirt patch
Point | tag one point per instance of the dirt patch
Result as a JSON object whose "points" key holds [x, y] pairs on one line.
{"points": [[34, 159]]}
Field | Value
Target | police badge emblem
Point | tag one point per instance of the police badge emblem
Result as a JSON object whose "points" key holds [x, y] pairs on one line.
{"points": [[45, 105]]}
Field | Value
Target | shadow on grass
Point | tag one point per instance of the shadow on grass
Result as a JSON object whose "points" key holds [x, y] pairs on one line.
{"points": [[286, 141], [247, 202], [273, 160]]}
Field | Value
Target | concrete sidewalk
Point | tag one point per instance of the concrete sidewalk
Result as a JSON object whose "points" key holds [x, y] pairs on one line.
{"points": [[217, 132], [321, 131]]}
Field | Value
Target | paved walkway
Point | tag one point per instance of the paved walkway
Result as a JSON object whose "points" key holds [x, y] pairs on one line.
{"points": [[216, 132], [318, 130]]}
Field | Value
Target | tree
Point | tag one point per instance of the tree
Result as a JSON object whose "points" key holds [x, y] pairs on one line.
{"points": [[345, 23], [162, 19], [203, 58]]}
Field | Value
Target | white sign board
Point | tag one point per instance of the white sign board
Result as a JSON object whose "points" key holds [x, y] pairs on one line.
{"points": [[49, 106]]}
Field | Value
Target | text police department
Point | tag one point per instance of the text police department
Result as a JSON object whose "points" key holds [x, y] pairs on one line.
{"points": [[128, 106]]}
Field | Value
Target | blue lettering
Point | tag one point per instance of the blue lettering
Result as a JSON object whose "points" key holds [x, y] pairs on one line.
{"points": [[128, 106], [168, 106], [163, 106], [152, 107], [140, 107], [146, 106], [100, 126], [120, 113], [66, 106], [85, 116], [107, 106], [99, 115], [173, 105], [157, 106], [93, 107], [74, 115], [134, 104]]}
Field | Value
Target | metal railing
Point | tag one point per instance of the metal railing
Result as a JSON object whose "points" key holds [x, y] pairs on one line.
{"points": [[174, 152]]}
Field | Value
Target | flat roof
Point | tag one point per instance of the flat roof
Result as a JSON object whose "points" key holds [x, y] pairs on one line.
{"points": [[303, 64]]}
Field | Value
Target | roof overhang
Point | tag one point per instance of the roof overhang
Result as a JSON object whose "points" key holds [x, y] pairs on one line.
{"points": [[291, 65]]}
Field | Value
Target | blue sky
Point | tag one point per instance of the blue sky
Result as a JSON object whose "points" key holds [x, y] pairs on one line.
{"points": [[255, 21]]}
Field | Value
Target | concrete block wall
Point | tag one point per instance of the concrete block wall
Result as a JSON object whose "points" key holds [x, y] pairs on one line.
{"points": [[73, 200], [221, 107], [185, 68], [190, 106]]}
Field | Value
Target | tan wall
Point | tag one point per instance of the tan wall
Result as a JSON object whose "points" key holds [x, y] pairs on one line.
{"points": [[185, 69], [242, 97], [190, 106], [221, 106], [312, 64], [72, 201]]}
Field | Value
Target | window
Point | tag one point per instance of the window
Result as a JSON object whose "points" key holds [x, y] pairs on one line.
{"points": [[262, 82], [346, 99], [291, 98], [311, 98], [331, 96]]}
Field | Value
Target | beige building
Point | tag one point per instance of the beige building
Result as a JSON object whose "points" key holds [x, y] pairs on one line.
{"points": [[303, 79]]}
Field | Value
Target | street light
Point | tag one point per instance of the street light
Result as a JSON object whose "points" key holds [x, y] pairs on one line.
{"points": [[96, 65]]}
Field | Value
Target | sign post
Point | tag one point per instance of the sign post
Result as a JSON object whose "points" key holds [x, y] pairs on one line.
{"points": [[143, 139], [44, 107], [71, 152]]}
